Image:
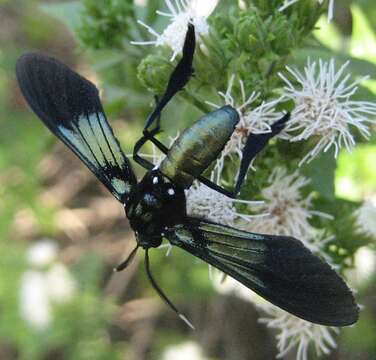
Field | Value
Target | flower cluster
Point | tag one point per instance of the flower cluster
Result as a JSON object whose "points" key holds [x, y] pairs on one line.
{"points": [[256, 120], [366, 219], [181, 12], [288, 211], [295, 333], [324, 108], [209, 204]]}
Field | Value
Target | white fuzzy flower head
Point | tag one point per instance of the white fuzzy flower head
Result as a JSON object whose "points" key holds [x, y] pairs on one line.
{"points": [[288, 3], [185, 351], [61, 284], [181, 12], [34, 304], [41, 289], [324, 108], [42, 253], [209, 204], [288, 211], [366, 218], [256, 120], [297, 334]]}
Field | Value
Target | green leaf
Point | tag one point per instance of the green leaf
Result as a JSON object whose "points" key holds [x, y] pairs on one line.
{"points": [[68, 13], [347, 239], [369, 10], [321, 171]]}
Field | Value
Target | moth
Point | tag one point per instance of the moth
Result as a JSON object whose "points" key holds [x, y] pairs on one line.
{"points": [[278, 268]]}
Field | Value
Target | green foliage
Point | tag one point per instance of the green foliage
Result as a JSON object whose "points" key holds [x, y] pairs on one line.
{"points": [[105, 23], [68, 12]]}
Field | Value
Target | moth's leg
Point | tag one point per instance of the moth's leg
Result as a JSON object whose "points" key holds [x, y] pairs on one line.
{"points": [[146, 164], [148, 136], [216, 187]]}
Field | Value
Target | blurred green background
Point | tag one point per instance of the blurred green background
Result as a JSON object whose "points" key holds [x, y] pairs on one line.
{"points": [[48, 198]]}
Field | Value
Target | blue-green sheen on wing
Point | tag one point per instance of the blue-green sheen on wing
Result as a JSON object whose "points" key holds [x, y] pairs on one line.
{"points": [[70, 107], [279, 268]]}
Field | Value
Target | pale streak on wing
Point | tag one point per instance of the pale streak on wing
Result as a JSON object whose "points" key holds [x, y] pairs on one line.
{"points": [[92, 140], [76, 140], [95, 141], [114, 145]]}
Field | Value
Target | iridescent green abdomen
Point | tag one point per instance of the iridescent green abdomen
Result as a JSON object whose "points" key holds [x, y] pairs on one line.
{"points": [[198, 146]]}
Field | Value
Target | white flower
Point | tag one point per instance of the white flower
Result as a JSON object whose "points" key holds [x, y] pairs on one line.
{"points": [[288, 211], [364, 266], [185, 351], [295, 333], [34, 303], [257, 120], [288, 3], [209, 204], [366, 218], [61, 284], [42, 253], [40, 290], [324, 108], [181, 12]]}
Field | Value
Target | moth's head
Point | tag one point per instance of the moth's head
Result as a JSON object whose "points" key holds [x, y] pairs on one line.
{"points": [[146, 240]]}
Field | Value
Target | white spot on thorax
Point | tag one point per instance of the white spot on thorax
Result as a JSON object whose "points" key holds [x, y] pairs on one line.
{"points": [[155, 180]]}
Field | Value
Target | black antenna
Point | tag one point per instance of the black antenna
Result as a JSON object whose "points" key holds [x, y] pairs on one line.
{"points": [[126, 262], [161, 293]]}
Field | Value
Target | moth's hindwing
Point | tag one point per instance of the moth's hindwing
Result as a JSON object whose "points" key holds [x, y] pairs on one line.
{"points": [[70, 107], [279, 268]]}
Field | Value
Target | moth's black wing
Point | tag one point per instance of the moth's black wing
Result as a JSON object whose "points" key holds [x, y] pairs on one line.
{"points": [[179, 77], [278, 268], [70, 107], [255, 143]]}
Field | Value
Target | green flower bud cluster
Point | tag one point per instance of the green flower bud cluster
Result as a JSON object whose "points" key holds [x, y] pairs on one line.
{"points": [[153, 72]]}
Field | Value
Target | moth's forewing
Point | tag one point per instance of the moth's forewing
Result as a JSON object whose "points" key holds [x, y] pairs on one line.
{"points": [[280, 269], [70, 107]]}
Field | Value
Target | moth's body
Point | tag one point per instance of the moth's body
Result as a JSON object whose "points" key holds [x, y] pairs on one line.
{"points": [[158, 201]]}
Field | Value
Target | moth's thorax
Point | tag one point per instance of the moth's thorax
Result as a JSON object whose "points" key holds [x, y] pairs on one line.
{"points": [[156, 203]]}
